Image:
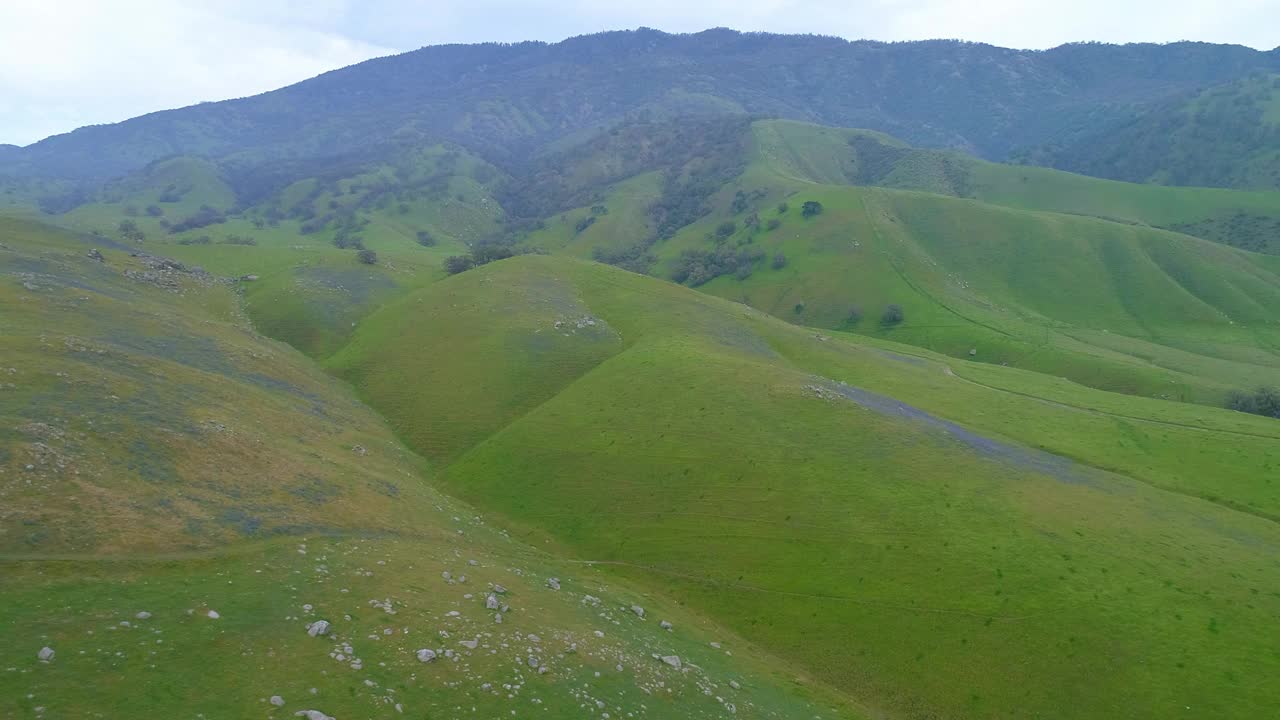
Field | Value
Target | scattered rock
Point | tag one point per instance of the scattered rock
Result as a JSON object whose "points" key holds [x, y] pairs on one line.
{"points": [[639, 611], [973, 352], [313, 715], [359, 450], [469, 644], [425, 655], [500, 589], [96, 254], [672, 660], [734, 684], [143, 615], [319, 627], [277, 701], [213, 614], [665, 625], [248, 278], [491, 602], [553, 583], [46, 654]]}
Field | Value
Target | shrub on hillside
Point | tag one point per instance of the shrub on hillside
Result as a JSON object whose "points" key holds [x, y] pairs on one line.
{"points": [[725, 229], [783, 208], [130, 231], [426, 239], [368, 257], [855, 315], [1264, 401], [155, 210], [892, 315], [584, 223], [203, 217], [455, 264], [779, 261], [773, 224], [811, 208]]}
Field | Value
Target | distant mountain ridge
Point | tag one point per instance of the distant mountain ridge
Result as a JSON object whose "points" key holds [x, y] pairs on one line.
{"points": [[506, 102]]}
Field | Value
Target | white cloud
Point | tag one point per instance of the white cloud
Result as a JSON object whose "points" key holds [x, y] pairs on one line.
{"points": [[66, 63], [76, 62]]}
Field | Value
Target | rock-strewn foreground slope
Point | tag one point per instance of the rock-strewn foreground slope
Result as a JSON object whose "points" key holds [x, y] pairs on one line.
{"points": [[182, 501]]}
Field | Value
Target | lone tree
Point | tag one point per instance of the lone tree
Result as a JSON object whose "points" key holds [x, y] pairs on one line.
{"points": [[368, 257], [779, 261], [811, 208], [892, 315], [426, 239]]}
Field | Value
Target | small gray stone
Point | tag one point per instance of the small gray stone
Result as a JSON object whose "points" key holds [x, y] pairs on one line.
{"points": [[734, 684], [672, 660], [277, 701], [491, 602], [317, 628], [143, 615], [312, 715], [425, 655], [639, 611], [45, 654], [665, 625], [96, 254], [499, 589], [553, 583], [469, 644]]}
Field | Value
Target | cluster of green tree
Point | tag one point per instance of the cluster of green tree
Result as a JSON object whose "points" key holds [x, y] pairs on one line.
{"points": [[207, 215], [481, 254], [1220, 137], [695, 267], [1264, 401], [1246, 231]]}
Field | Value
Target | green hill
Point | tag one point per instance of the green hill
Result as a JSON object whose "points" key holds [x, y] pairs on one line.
{"points": [[160, 461], [833, 156], [825, 496], [1109, 301]]}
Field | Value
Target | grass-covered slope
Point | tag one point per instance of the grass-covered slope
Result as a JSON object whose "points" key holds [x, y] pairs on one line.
{"points": [[138, 389], [928, 569], [810, 153], [181, 498], [1115, 305]]}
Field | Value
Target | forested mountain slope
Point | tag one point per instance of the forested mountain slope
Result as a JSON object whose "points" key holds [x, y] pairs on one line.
{"points": [[504, 101]]}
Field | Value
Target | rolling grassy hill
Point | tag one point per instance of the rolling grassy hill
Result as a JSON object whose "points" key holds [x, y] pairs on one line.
{"points": [[180, 498], [833, 156], [1109, 301], [938, 538]]}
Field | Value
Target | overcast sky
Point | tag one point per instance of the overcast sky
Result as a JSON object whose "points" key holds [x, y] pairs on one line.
{"points": [[68, 63]]}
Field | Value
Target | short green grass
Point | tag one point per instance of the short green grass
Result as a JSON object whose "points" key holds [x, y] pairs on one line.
{"points": [[919, 572], [159, 456]]}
